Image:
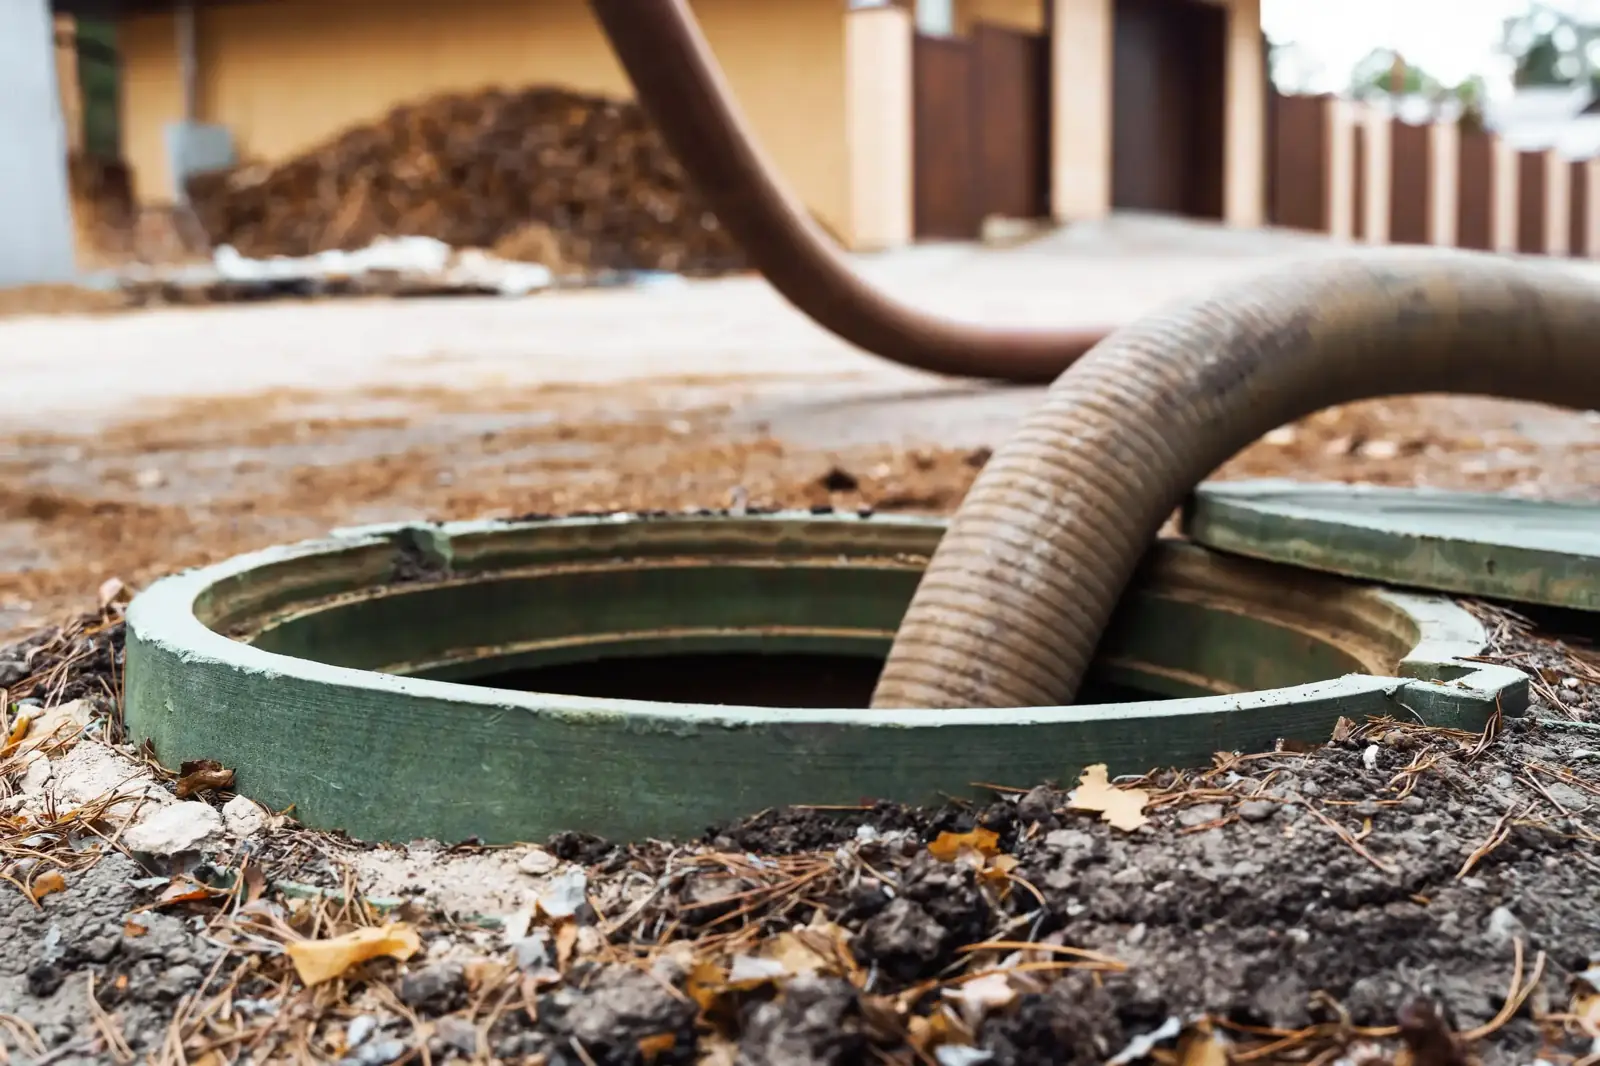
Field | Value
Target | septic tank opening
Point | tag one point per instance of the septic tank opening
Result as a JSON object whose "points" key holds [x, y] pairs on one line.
{"points": [[745, 679]]}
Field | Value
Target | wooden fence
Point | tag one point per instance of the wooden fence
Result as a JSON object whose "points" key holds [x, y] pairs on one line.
{"points": [[1355, 171]]}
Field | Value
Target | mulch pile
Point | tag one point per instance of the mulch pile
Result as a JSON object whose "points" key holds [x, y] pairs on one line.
{"points": [[577, 182]]}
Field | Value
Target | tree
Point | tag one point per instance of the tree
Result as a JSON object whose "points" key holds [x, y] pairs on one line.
{"points": [[1550, 47], [1381, 71]]}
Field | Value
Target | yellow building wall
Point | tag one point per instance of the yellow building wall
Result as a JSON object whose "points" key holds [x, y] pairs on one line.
{"points": [[284, 75], [1026, 15]]}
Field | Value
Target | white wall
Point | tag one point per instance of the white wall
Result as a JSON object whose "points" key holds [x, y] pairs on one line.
{"points": [[35, 208]]}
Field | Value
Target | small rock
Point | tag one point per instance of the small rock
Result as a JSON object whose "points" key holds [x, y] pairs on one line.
{"points": [[1128, 875], [1476, 883], [1036, 806], [243, 817], [36, 773], [1257, 810], [432, 986], [1200, 814], [538, 862], [565, 893], [150, 478], [12, 671], [380, 1054], [178, 980], [360, 1030], [1369, 758], [457, 1033], [903, 938], [535, 952], [1244, 868], [178, 827], [1503, 927], [1068, 840]]}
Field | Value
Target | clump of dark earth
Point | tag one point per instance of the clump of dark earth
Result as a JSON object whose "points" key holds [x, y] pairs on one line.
{"points": [[1239, 901]]}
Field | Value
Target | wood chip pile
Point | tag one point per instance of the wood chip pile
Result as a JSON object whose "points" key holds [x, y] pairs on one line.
{"points": [[579, 183]]}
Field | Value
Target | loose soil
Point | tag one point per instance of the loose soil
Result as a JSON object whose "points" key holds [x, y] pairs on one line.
{"points": [[197, 481], [1399, 893]]}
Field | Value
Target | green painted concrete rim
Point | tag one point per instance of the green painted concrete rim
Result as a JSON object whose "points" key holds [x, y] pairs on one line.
{"points": [[368, 752], [1541, 552]]}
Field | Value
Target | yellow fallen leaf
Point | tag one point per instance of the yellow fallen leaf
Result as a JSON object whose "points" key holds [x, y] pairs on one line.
{"points": [[652, 1047], [19, 729], [48, 883], [1122, 807], [317, 961], [705, 983], [1586, 1010], [950, 845], [1202, 1047]]}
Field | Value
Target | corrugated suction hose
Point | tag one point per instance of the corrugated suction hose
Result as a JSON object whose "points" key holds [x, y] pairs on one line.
{"points": [[1024, 582], [681, 87]]}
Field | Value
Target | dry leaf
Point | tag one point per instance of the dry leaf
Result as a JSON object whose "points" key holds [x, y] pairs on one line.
{"points": [[704, 983], [1343, 730], [926, 1033], [652, 1046], [19, 729], [210, 1058], [202, 775], [182, 890], [133, 928], [977, 999], [566, 943], [717, 1050], [1428, 1040], [1586, 1001], [48, 883], [111, 589], [949, 846], [1122, 807], [317, 961], [1202, 1046], [484, 973]]}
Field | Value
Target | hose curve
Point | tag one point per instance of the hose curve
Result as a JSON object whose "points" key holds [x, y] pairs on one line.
{"points": [[679, 83], [1016, 597]]}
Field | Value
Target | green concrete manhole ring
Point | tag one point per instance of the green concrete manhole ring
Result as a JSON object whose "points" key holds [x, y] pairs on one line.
{"points": [[337, 675], [1498, 547]]}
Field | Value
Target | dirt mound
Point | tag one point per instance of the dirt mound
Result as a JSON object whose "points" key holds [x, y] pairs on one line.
{"points": [[474, 170]]}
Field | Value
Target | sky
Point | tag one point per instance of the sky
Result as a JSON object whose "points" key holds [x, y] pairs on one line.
{"points": [[1450, 39]]}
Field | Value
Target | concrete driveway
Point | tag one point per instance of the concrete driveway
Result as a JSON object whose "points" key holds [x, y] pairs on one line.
{"points": [[141, 441]]}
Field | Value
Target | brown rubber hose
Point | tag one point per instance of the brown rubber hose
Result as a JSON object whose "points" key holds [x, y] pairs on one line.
{"points": [[679, 84], [1024, 582]]}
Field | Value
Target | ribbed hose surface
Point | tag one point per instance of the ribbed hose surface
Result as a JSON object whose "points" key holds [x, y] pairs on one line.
{"points": [[1024, 582], [678, 81]]}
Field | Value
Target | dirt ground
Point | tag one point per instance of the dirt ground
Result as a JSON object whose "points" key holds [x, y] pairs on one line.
{"points": [[1399, 895]]}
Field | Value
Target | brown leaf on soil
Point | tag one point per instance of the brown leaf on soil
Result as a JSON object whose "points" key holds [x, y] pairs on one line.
{"points": [[651, 1047], [111, 589], [19, 729], [202, 775], [1121, 807], [1343, 730], [182, 890], [566, 944], [1202, 1046], [704, 983], [1428, 1040], [47, 884], [133, 929], [317, 961], [949, 846]]}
